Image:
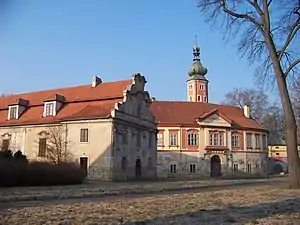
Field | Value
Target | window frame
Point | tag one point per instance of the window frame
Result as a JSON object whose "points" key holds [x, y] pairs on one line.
{"points": [[249, 168], [249, 141], [235, 142], [160, 139], [173, 139], [257, 141], [192, 168], [42, 152], [173, 168], [48, 110], [235, 167], [84, 135], [192, 138], [13, 112]]}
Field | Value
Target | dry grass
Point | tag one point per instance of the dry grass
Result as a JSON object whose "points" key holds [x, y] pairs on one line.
{"points": [[100, 189], [263, 204]]}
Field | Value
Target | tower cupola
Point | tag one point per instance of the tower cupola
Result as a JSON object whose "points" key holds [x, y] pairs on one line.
{"points": [[197, 84], [197, 70]]}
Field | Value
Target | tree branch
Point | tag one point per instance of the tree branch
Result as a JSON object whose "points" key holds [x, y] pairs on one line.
{"points": [[292, 65], [266, 16], [256, 6], [294, 29], [269, 3], [241, 16]]}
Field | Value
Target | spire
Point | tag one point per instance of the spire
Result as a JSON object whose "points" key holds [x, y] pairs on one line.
{"points": [[196, 49], [197, 70]]}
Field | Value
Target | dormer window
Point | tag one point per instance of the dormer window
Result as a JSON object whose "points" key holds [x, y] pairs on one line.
{"points": [[17, 108], [13, 112], [49, 109], [53, 104]]}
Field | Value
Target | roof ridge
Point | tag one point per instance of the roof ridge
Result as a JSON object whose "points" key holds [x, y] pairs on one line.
{"points": [[59, 88]]}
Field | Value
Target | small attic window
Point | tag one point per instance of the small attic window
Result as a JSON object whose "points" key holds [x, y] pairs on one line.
{"points": [[13, 112], [49, 109]]}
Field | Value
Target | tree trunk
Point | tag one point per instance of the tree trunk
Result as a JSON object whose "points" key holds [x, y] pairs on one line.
{"points": [[289, 116]]}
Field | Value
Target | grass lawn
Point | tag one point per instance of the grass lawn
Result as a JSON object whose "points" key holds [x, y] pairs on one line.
{"points": [[260, 204], [100, 189]]}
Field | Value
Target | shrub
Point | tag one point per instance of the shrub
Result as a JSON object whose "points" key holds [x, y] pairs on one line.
{"points": [[16, 171]]}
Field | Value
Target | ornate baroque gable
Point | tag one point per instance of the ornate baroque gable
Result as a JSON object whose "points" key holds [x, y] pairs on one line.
{"points": [[136, 101]]}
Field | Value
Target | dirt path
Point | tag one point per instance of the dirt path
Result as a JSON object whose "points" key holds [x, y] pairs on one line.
{"points": [[206, 188]]}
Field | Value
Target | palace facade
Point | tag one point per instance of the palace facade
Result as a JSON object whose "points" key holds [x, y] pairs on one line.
{"points": [[197, 138], [108, 127]]}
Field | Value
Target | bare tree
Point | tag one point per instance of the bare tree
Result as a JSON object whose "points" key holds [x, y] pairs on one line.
{"points": [[268, 114], [57, 148], [257, 100], [267, 31], [295, 95]]}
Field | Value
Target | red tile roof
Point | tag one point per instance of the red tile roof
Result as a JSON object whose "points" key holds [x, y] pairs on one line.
{"points": [[186, 113], [81, 102]]}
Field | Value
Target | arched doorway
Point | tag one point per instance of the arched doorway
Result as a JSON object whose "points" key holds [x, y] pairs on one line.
{"points": [[138, 168], [277, 169], [215, 166]]}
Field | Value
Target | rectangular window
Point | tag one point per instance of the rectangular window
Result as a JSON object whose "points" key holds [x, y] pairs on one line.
{"points": [[235, 167], [216, 139], [173, 168], [42, 147], [249, 140], [235, 140], [159, 139], [173, 139], [84, 135], [124, 163], [264, 141], [257, 141], [13, 112], [5, 145], [221, 139], [249, 169], [192, 168], [192, 139], [49, 109]]}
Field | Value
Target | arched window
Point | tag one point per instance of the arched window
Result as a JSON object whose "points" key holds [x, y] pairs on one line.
{"points": [[205, 99], [199, 98], [192, 139]]}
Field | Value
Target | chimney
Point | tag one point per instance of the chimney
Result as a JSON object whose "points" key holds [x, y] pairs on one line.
{"points": [[247, 111], [95, 81]]}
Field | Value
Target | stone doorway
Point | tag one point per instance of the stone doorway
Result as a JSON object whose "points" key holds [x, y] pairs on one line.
{"points": [[84, 164], [278, 169], [138, 168], [215, 166]]}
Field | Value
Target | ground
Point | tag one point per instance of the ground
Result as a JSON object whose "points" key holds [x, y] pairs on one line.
{"points": [[263, 201]]}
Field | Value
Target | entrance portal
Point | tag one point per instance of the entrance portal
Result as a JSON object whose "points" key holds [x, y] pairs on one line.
{"points": [[215, 166], [138, 168]]}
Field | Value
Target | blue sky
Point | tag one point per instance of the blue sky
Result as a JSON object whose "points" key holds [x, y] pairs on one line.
{"points": [[47, 44]]}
